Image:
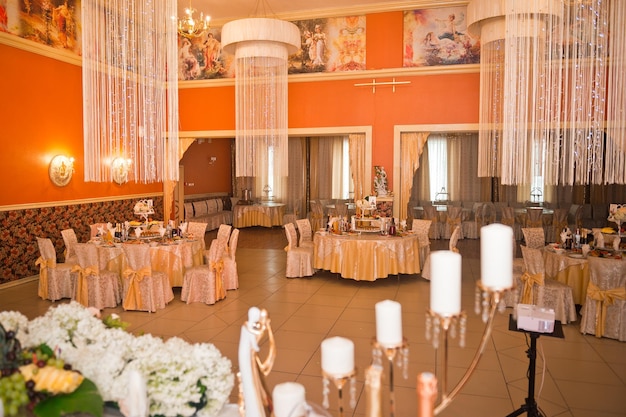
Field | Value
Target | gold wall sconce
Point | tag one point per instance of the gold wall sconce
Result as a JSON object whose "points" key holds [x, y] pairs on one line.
{"points": [[61, 169], [119, 169]]}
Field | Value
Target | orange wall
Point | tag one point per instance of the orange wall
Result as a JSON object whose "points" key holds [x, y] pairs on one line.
{"points": [[201, 176], [41, 115]]}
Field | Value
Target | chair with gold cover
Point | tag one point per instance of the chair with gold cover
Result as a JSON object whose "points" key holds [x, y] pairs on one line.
{"points": [[548, 293], [534, 237], [299, 259], [292, 212], [534, 217], [205, 283], [453, 220], [508, 218], [316, 215], [305, 232], [55, 279], [604, 311], [94, 287], [197, 230], [144, 289], [223, 235], [559, 222], [97, 228], [430, 213], [231, 277], [69, 239], [489, 214], [421, 228], [454, 239]]}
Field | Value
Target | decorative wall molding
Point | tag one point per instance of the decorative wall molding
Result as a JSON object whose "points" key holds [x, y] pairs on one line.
{"points": [[40, 49]]}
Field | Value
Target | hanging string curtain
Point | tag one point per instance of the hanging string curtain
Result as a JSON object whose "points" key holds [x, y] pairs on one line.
{"points": [[261, 47], [130, 88], [545, 84]]}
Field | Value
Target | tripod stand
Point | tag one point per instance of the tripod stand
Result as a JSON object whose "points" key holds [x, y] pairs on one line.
{"points": [[530, 405]]}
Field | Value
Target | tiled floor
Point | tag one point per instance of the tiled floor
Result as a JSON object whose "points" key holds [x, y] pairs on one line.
{"points": [[579, 376]]}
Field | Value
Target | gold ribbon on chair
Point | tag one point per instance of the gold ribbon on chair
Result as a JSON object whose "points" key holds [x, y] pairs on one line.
{"points": [[529, 280], [453, 222], [44, 264], [218, 267], [82, 287], [132, 300], [604, 298]]}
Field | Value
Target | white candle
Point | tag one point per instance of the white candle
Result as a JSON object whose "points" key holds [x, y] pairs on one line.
{"points": [[388, 323], [338, 356], [445, 283], [496, 256], [289, 400]]}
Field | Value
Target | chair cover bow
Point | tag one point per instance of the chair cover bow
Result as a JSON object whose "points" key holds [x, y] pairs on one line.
{"points": [[218, 267], [604, 298], [529, 280], [44, 264], [82, 287], [132, 301]]}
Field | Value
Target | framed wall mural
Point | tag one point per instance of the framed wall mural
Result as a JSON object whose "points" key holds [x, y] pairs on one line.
{"points": [[55, 23], [330, 45], [438, 37], [202, 58]]}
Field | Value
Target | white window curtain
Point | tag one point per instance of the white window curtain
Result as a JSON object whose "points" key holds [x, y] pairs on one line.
{"points": [[438, 158]]}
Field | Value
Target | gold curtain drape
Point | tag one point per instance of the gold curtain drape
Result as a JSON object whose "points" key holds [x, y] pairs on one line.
{"points": [[357, 163], [411, 148]]}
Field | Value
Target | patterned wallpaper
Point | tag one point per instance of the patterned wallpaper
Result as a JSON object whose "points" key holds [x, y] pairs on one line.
{"points": [[20, 228]]}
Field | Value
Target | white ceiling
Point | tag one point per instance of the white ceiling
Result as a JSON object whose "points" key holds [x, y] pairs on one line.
{"points": [[222, 11]]}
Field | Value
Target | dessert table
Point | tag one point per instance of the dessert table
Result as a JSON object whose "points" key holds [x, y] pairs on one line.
{"points": [[172, 258], [265, 214], [366, 257]]}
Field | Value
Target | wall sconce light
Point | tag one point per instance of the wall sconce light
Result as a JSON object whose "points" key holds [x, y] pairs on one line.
{"points": [[61, 170], [212, 160], [119, 170]]}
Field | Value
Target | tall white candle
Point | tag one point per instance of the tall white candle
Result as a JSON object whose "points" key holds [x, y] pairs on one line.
{"points": [[289, 400], [496, 256], [388, 323], [445, 283], [338, 356]]}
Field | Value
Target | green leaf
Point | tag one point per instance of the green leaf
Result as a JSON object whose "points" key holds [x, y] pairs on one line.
{"points": [[85, 399]]}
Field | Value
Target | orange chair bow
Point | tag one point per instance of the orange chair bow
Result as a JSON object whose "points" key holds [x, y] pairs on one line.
{"points": [[44, 264], [82, 287], [132, 301], [218, 267], [529, 280], [604, 298]]}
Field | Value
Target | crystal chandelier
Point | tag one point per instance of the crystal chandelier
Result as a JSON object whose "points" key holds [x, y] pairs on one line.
{"points": [[190, 27]]}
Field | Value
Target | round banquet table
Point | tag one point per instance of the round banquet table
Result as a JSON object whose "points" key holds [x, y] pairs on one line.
{"points": [[366, 257], [266, 215], [172, 259], [571, 271]]}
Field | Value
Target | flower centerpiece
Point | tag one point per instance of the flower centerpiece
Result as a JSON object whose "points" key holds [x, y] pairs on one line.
{"points": [[617, 214], [182, 379]]}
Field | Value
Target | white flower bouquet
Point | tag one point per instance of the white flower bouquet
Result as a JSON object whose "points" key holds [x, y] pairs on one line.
{"points": [[182, 379]]}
